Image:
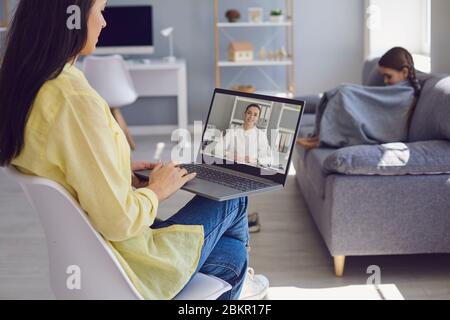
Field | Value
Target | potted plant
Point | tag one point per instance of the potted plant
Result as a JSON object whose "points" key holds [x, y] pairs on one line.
{"points": [[276, 15]]}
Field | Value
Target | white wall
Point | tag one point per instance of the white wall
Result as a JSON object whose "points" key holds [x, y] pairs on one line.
{"points": [[440, 36], [397, 23], [329, 43], [329, 50]]}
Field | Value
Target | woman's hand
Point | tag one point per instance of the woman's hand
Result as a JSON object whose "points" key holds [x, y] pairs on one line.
{"points": [[165, 180], [137, 166]]}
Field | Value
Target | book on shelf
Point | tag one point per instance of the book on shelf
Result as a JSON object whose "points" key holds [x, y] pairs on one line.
{"points": [[277, 141], [283, 142], [264, 118], [287, 142]]}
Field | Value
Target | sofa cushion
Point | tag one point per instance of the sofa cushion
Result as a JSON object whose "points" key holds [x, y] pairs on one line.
{"points": [[371, 76], [393, 159], [431, 120], [312, 101], [307, 125], [314, 164]]}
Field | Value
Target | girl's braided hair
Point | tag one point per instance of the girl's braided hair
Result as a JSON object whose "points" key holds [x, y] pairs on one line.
{"points": [[399, 58]]}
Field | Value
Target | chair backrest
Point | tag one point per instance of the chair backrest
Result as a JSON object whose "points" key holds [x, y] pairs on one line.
{"points": [[432, 114], [109, 76], [370, 75], [74, 246]]}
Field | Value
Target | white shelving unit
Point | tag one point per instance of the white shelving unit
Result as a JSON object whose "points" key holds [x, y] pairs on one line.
{"points": [[285, 135], [255, 63], [252, 24], [5, 14], [221, 29]]}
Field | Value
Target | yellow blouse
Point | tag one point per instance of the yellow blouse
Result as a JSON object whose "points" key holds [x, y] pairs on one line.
{"points": [[72, 138]]}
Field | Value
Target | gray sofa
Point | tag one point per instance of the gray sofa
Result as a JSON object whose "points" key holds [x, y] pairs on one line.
{"points": [[384, 200]]}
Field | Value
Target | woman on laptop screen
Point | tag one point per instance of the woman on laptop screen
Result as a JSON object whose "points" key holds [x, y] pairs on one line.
{"points": [[246, 144]]}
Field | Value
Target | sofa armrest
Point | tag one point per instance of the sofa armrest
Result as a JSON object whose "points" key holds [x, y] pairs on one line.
{"points": [[312, 101], [393, 159]]}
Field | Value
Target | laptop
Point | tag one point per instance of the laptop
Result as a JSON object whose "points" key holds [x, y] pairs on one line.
{"points": [[246, 146]]}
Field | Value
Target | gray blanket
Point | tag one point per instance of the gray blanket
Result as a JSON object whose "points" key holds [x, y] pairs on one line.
{"points": [[355, 115]]}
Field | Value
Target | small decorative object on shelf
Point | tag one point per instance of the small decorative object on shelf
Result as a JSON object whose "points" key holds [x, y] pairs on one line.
{"points": [[262, 54], [255, 15], [244, 88], [241, 52], [281, 54], [276, 16], [233, 15]]}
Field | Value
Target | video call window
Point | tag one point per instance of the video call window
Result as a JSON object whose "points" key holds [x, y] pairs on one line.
{"points": [[253, 132]]}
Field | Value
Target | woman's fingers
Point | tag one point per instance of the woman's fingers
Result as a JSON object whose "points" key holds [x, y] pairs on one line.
{"points": [[142, 165], [158, 167], [152, 166], [189, 177], [173, 164], [183, 172]]}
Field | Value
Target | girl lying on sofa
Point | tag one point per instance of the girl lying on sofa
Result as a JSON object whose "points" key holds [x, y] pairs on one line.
{"points": [[355, 115]]}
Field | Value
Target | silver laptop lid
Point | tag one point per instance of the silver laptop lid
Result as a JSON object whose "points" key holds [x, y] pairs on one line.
{"points": [[251, 133]]}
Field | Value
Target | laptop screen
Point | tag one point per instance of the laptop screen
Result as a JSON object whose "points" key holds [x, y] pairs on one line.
{"points": [[251, 130]]}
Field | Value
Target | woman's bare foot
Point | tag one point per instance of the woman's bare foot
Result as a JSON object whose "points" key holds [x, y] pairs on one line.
{"points": [[309, 143]]}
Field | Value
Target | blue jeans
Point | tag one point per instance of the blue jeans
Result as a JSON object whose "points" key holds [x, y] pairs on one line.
{"points": [[224, 253]]}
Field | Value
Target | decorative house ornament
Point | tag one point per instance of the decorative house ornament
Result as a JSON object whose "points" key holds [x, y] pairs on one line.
{"points": [[244, 88], [241, 52]]}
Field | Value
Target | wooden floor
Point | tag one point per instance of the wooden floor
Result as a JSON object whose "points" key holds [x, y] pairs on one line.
{"points": [[288, 250]]}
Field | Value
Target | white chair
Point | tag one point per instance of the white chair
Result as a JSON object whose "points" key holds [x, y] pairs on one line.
{"points": [[72, 241], [109, 76]]}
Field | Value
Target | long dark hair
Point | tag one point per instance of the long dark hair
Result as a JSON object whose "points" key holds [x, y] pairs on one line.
{"points": [[38, 46], [398, 59]]}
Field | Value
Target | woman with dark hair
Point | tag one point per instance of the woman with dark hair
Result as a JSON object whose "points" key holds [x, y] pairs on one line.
{"points": [[54, 125], [246, 144], [356, 115]]}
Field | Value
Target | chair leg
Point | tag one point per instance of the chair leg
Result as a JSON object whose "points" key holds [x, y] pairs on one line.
{"points": [[123, 125], [339, 264]]}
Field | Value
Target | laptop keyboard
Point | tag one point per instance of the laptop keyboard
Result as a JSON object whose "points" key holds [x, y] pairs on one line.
{"points": [[224, 179]]}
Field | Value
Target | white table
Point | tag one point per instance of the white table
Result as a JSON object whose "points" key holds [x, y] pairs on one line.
{"points": [[160, 78]]}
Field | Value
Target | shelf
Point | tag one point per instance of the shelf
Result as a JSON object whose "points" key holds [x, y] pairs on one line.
{"points": [[253, 24], [279, 94], [279, 31], [255, 63], [286, 130]]}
